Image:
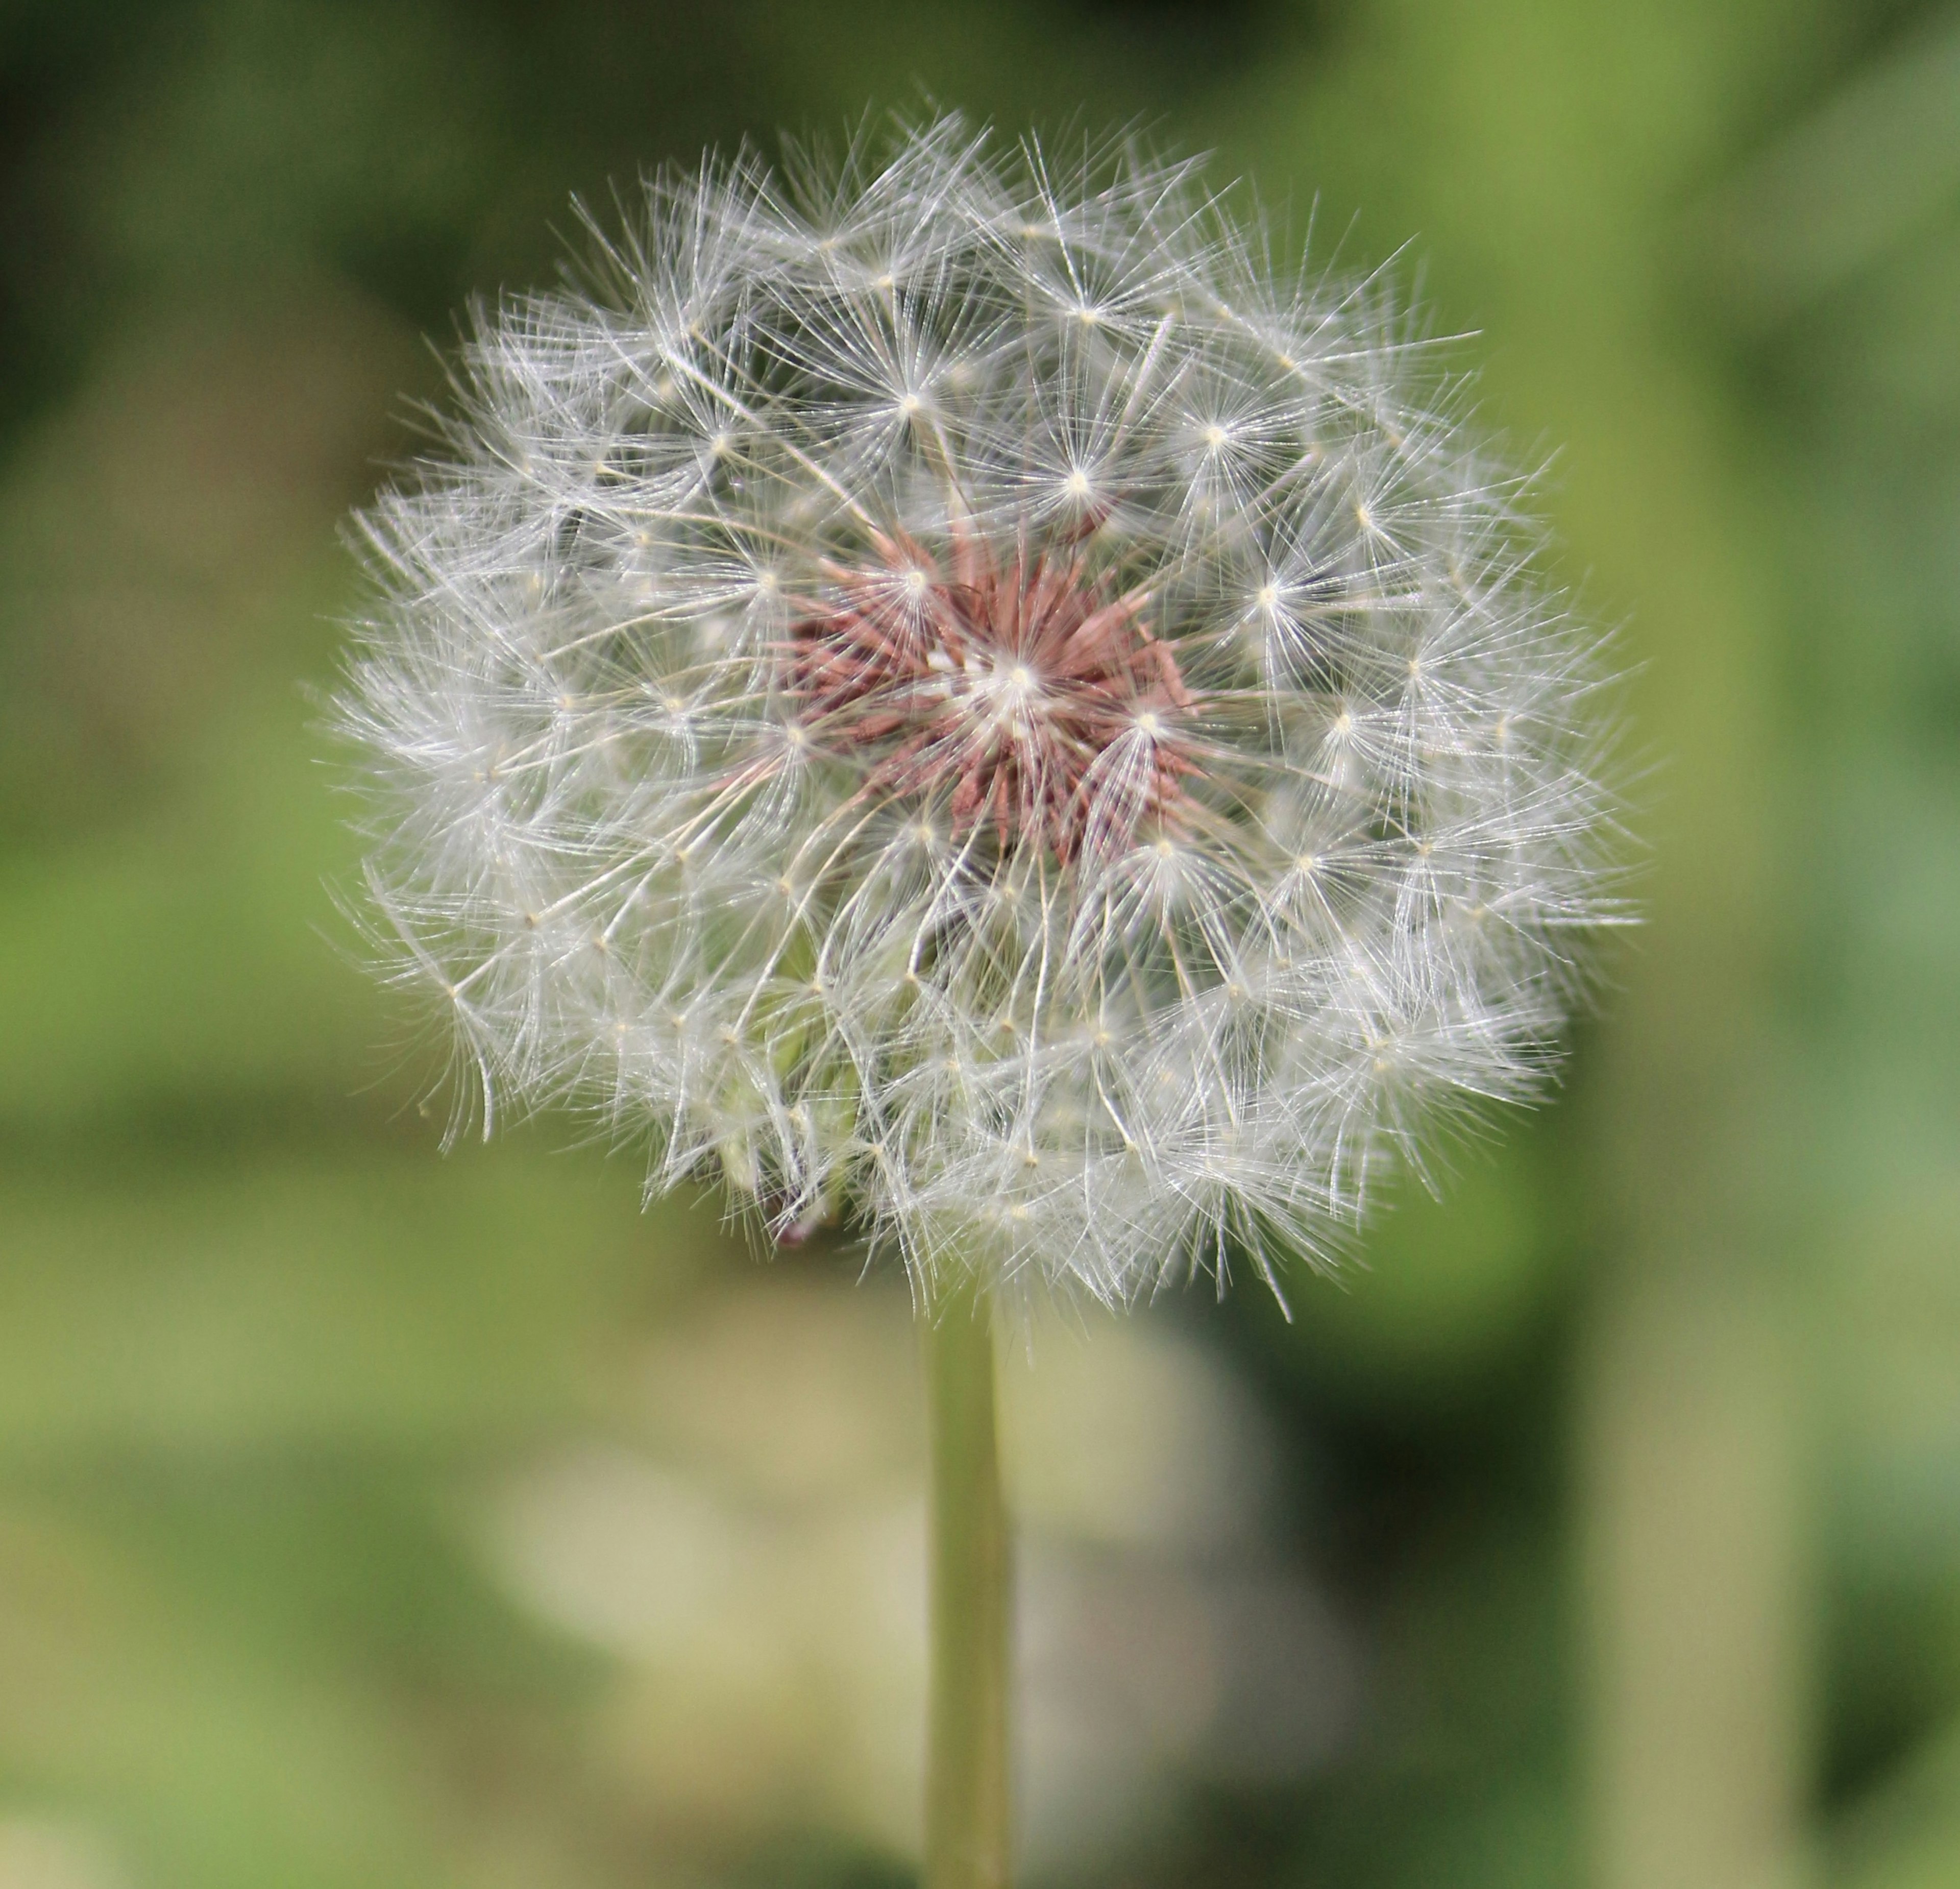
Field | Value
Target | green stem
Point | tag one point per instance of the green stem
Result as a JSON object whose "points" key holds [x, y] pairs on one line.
{"points": [[966, 1763]]}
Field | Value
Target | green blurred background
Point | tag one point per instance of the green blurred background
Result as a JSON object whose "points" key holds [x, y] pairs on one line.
{"points": [[369, 1517]]}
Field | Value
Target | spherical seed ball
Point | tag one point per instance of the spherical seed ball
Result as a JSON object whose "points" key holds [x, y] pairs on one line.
{"points": [[948, 698]]}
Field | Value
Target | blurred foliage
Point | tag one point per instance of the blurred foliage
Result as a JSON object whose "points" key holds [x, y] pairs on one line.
{"points": [[274, 1374]]}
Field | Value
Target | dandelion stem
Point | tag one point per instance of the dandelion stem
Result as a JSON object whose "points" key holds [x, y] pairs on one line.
{"points": [[966, 1828]]}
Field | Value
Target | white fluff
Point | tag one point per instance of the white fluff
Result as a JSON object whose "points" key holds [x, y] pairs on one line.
{"points": [[643, 872]]}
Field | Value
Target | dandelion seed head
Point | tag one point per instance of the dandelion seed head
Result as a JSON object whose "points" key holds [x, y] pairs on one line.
{"points": [[817, 719]]}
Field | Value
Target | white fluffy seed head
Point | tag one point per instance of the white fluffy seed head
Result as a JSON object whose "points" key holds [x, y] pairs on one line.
{"points": [[942, 695]]}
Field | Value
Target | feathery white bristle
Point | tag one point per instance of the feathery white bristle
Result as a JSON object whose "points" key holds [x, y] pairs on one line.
{"points": [[718, 793]]}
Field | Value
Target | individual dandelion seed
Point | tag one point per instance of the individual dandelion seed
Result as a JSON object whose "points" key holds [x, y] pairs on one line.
{"points": [[944, 695], [948, 697]]}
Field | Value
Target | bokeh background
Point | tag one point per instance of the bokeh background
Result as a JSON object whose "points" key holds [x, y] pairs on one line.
{"points": [[375, 1519]]}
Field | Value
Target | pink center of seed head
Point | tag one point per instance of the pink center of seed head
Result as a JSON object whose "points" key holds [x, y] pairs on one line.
{"points": [[1037, 702]]}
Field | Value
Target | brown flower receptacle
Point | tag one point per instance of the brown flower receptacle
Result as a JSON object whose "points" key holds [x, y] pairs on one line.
{"points": [[1042, 703]]}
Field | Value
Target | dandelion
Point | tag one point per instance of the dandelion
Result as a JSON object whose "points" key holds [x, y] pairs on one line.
{"points": [[943, 695]]}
